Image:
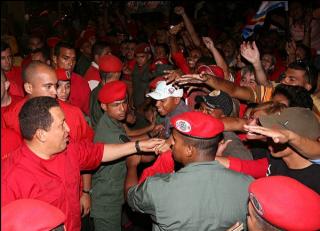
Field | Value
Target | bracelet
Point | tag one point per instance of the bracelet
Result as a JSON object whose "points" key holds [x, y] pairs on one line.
{"points": [[137, 146], [87, 191]]}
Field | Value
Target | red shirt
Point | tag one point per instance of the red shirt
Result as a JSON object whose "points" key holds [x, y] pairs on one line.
{"points": [[15, 76], [79, 129], [80, 93], [163, 164], [130, 63], [10, 141], [181, 62], [92, 74], [56, 181]]}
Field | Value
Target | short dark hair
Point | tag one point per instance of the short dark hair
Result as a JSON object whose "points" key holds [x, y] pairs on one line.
{"points": [[297, 96], [62, 44], [44, 51], [4, 46], [98, 47], [205, 147], [311, 75], [35, 115]]}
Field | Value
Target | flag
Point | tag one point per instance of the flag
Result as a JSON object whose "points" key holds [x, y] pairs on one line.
{"points": [[258, 19]]}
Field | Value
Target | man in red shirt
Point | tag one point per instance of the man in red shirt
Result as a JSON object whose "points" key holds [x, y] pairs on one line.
{"points": [[47, 168], [12, 73], [65, 57]]}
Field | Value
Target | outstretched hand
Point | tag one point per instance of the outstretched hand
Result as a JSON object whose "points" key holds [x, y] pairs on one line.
{"points": [[191, 79], [208, 42], [150, 145], [278, 136], [179, 10]]}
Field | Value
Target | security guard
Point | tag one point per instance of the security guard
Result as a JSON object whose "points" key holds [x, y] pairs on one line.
{"points": [[108, 180]]}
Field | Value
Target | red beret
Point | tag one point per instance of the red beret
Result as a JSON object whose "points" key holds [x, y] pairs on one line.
{"points": [[52, 41], [286, 203], [113, 91], [30, 215], [63, 75], [110, 63], [197, 124], [154, 82], [142, 48], [212, 69]]}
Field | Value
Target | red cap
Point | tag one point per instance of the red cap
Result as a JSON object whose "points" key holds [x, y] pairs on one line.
{"points": [[30, 215], [142, 48], [286, 203], [197, 124], [212, 69], [113, 91], [154, 82], [110, 63], [63, 75], [52, 41]]}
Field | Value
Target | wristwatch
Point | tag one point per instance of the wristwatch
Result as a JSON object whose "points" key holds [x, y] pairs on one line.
{"points": [[87, 191]]}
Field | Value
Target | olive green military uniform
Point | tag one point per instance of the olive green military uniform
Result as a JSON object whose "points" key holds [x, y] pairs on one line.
{"points": [[108, 180], [200, 196], [95, 109]]}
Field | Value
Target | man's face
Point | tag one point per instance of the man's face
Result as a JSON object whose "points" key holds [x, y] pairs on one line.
{"points": [[295, 77], [161, 36], [44, 84], [178, 146], [35, 43], [195, 55], [117, 110], [278, 150], [214, 112], [63, 90], [165, 106], [159, 53], [6, 60], [86, 48], [267, 63], [130, 51], [38, 56], [142, 59], [254, 121], [66, 59], [57, 135]]}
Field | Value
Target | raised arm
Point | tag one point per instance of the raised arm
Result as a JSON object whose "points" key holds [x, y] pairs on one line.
{"points": [[217, 56], [188, 24], [251, 53]]}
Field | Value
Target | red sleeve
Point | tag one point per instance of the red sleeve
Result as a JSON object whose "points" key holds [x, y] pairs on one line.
{"points": [[255, 168], [10, 141], [163, 164], [181, 62], [89, 154]]}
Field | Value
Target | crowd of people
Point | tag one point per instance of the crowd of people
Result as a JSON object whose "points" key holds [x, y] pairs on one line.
{"points": [[175, 124]]}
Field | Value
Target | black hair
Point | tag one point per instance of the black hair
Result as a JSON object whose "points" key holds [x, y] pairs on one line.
{"points": [[44, 51], [205, 147], [205, 60], [311, 75], [35, 115], [62, 44], [98, 47], [4, 46], [297, 96]]}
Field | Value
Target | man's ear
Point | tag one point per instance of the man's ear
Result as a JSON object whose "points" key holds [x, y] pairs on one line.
{"points": [[28, 88], [190, 150], [40, 135], [103, 106], [54, 59]]}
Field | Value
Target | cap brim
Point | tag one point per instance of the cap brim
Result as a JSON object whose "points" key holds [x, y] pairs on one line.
{"points": [[269, 121], [156, 95]]}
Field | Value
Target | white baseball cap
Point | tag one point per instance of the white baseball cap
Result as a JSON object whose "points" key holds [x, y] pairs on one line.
{"points": [[164, 91]]}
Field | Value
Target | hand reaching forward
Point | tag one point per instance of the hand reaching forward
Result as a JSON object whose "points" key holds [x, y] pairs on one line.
{"points": [[278, 136], [191, 79], [179, 10], [250, 52], [150, 145]]}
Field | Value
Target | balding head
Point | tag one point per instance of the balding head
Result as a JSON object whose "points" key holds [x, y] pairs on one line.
{"points": [[40, 80]]}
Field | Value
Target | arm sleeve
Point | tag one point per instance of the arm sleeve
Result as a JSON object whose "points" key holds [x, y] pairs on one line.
{"points": [[181, 62], [255, 168], [89, 154], [163, 164]]}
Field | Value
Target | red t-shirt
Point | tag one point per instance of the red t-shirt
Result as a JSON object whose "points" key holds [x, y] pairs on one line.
{"points": [[10, 141], [130, 64], [80, 93], [79, 129], [55, 181], [181, 62], [15, 75], [92, 74]]}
